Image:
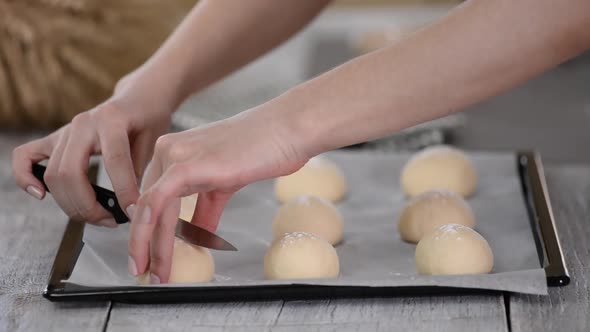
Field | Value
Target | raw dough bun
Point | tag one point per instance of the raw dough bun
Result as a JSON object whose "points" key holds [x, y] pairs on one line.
{"points": [[301, 255], [453, 249], [144, 279], [187, 207], [190, 263], [432, 209], [439, 167], [309, 214], [319, 177]]}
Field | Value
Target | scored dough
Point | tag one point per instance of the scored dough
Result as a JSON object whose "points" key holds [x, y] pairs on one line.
{"points": [[309, 214], [190, 264], [319, 177], [453, 249], [301, 255], [439, 167], [432, 209]]}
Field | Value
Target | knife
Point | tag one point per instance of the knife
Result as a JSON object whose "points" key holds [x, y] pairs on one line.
{"points": [[184, 230]]}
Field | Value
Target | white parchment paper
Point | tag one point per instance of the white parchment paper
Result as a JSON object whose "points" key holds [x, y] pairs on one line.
{"points": [[372, 253]]}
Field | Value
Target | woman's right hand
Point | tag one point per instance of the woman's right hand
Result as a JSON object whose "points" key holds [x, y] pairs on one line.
{"points": [[123, 129]]}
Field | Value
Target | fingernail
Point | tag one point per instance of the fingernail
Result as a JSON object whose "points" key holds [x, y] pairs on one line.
{"points": [[154, 279], [109, 222], [144, 215], [35, 192], [130, 210], [132, 266]]}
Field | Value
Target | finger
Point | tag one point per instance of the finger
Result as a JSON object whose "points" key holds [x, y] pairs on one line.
{"points": [[23, 158], [73, 170], [141, 153], [209, 209], [140, 233], [116, 153], [147, 214], [162, 244], [153, 173], [177, 181], [52, 177]]}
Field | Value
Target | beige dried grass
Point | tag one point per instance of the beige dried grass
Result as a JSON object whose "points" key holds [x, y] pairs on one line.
{"points": [[62, 57]]}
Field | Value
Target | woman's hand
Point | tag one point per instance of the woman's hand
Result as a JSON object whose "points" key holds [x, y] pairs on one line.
{"points": [[214, 161], [123, 129]]}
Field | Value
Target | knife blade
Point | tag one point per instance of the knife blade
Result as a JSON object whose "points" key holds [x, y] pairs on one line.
{"points": [[184, 230]]}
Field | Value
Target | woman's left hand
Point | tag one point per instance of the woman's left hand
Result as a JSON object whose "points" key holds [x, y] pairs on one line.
{"points": [[214, 161]]}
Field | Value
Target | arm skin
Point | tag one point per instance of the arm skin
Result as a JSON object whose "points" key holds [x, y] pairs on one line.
{"points": [[220, 36], [479, 50]]}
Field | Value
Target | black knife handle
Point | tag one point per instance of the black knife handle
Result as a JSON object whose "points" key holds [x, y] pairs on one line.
{"points": [[106, 198]]}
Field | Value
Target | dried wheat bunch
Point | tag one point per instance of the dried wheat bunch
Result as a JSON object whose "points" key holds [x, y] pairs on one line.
{"points": [[61, 57]]}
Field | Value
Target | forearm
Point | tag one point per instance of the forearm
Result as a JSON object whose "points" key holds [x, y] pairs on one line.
{"points": [[220, 36], [479, 50]]}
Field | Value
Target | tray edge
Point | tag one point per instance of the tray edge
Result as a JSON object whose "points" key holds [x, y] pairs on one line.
{"points": [[535, 187]]}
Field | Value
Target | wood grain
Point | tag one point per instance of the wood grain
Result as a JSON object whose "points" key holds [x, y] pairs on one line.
{"points": [[469, 313], [439, 313], [252, 316], [30, 244], [30, 232], [566, 308]]}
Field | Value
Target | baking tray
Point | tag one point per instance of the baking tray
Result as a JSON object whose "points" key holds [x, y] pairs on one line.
{"points": [[534, 189]]}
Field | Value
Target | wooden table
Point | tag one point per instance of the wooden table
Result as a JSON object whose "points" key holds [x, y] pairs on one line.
{"points": [[30, 232]]}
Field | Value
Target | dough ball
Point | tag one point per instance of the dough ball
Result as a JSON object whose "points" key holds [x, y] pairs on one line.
{"points": [[453, 249], [187, 207], [309, 214], [439, 167], [144, 279], [190, 264], [319, 177], [301, 255], [431, 209]]}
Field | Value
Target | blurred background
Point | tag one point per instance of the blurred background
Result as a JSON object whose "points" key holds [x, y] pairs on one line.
{"points": [[61, 57]]}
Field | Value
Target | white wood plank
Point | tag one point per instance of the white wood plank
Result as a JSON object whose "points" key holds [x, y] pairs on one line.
{"points": [[30, 232], [566, 308], [29, 245], [440, 313], [252, 316], [470, 313]]}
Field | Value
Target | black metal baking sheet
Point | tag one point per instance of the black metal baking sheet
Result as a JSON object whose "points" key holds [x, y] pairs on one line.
{"points": [[536, 199]]}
